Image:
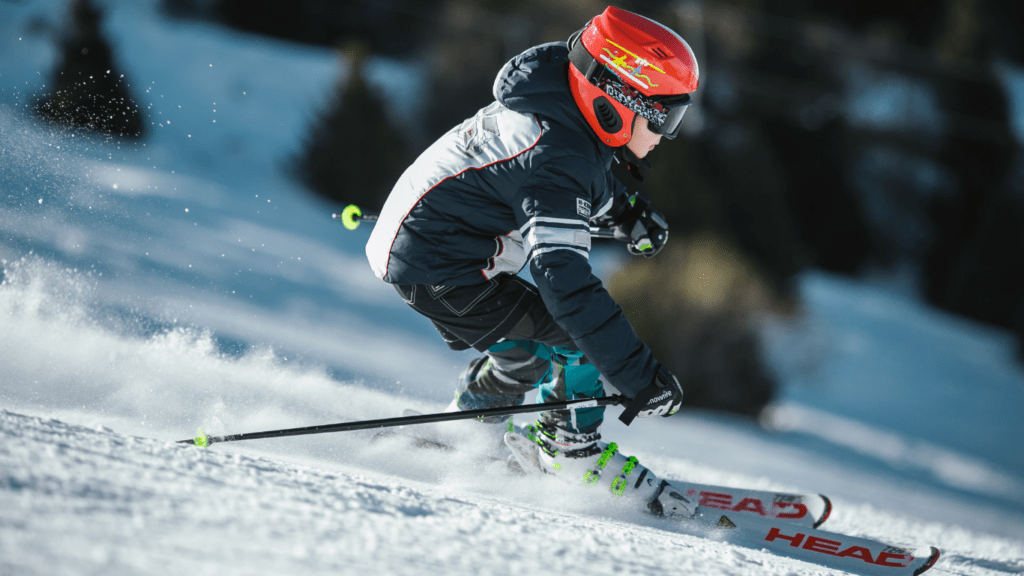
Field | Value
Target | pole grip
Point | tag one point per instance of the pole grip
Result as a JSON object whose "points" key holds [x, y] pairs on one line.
{"points": [[350, 217]]}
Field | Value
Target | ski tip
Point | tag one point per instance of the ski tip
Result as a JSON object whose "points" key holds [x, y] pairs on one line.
{"points": [[201, 439], [825, 513], [932, 559]]}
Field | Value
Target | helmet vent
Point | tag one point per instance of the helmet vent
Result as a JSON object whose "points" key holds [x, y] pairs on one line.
{"points": [[659, 52], [609, 119]]}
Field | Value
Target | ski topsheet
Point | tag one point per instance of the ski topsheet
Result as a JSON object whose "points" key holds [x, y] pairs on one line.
{"points": [[849, 553], [800, 509]]}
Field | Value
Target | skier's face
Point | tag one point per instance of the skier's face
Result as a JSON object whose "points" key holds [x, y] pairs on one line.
{"points": [[643, 140]]}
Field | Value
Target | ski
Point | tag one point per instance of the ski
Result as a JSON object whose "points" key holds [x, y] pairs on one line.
{"points": [[785, 524], [849, 553]]}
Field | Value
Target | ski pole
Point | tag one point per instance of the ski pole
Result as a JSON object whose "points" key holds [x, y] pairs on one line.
{"points": [[352, 215], [201, 439]]}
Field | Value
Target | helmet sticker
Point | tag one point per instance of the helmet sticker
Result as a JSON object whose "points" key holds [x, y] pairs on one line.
{"points": [[634, 72]]}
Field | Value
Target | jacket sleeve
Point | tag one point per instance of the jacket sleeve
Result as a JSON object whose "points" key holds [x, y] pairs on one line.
{"points": [[553, 210], [616, 204]]}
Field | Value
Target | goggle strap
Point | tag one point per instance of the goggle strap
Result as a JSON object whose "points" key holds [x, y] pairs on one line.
{"points": [[580, 58]]}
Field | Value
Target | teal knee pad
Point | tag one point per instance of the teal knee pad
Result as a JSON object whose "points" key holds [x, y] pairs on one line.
{"points": [[536, 348], [581, 381], [529, 347]]}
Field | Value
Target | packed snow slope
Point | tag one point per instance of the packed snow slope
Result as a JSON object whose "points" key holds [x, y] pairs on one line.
{"points": [[151, 288]]}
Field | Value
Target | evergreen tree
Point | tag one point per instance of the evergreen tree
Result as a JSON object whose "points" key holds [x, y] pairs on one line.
{"points": [[352, 153], [393, 28], [89, 91]]}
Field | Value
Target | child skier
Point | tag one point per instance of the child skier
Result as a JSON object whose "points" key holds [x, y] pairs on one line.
{"points": [[520, 183]]}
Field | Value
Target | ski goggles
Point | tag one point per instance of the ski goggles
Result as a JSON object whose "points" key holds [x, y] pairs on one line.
{"points": [[664, 114], [674, 107]]}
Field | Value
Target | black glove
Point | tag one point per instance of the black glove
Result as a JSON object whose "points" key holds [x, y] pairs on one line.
{"points": [[643, 228], [662, 397]]}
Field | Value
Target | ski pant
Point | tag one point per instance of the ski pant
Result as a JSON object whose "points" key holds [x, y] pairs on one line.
{"points": [[506, 319]]}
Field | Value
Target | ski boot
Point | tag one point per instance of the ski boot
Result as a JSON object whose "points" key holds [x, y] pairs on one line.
{"points": [[578, 457]]}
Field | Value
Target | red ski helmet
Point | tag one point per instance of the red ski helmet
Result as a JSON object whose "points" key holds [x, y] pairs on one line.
{"points": [[624, 64]]}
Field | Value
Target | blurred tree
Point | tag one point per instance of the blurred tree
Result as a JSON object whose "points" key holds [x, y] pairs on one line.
{"points": [[352, 153], [393, 28], [974, 266], [695, 183], [697, 307], [809, 144], [984, 277], [463, 56], [89, 92], [999, 28], [469, 44], [200, 9]]}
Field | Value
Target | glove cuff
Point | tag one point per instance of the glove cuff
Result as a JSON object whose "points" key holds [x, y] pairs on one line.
{"points": [[640, 401], [636, 204]]}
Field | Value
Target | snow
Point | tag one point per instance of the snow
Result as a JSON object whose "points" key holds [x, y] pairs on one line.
{"points": [[152, 288]]}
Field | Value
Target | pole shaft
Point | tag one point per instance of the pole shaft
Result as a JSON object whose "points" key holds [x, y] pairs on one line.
{"points": [[420, 419], [595, 231]]}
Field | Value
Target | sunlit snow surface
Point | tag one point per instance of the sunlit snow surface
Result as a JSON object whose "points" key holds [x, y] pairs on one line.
{"points": [[150, 289]]}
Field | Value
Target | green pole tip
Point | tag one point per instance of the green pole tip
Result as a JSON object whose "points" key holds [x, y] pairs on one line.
{"points": [[350, 216], [201, 439]]}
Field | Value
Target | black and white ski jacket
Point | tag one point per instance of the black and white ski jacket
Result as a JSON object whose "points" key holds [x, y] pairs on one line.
{"points": [[517, 184]]}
